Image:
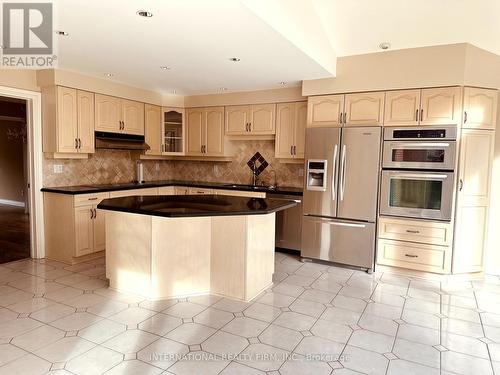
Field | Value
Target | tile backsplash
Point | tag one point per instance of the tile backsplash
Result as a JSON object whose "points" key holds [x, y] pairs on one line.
{"points": [[107, 166]]}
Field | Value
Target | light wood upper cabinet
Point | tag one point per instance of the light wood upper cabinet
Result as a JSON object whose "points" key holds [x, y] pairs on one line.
{"points": [[118, 115], [237, 120], [364, 109], [262, 119], [68, 121], [474, 190], [85, 114], [132, 117], [285, 113], [195, 127], [173, 131], [291, 121], [152, 129], [214, 131], [402, 108], [205, 135], [107, 113], [440, 106], [325, 110], [250, 120], [480, 108]]}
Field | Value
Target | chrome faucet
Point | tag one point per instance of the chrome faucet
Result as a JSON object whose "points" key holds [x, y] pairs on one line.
{"points": [[254, 172]]}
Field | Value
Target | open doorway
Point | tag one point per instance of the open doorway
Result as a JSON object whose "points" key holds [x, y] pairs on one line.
{"points": [[14, 181]]}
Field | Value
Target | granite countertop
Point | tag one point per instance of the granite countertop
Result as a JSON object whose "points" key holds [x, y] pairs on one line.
{"points": [[194, 205], [88, 189]]}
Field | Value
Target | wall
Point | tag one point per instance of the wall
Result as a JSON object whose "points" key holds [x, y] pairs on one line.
{"points": [[11, 164], [107, 166]]}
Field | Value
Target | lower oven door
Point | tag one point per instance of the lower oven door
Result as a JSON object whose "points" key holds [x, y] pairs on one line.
{"points": [[422, 195]]}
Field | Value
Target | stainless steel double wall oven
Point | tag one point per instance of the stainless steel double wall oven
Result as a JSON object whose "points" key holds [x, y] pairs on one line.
{"points": [[418, 172]]}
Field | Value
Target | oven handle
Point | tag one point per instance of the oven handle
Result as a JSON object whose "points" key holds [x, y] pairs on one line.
{"points": [[421, 176], [421, 144]]}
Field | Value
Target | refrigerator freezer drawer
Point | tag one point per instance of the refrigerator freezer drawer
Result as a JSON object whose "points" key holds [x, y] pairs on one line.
{"points": [[339, 241]]}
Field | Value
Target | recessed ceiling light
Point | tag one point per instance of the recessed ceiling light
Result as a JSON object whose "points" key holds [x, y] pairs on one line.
{"points": [[164, 67], [222, 88], [174, 91], [234, 59], [283, 83], [61, 32], [144, 13], [109, 75], [385, 45]]}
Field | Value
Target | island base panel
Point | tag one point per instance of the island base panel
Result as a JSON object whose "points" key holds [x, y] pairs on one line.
{"points": [[160, 257]]}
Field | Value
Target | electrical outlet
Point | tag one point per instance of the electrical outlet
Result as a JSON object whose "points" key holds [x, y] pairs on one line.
{"points": [[157, 167], [301, 172], [58, 168]]}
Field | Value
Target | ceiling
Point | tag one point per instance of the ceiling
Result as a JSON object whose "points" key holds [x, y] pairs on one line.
{"points": [[276, 40]]}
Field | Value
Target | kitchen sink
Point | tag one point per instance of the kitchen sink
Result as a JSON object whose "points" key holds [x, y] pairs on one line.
{"points": [[250, 187]]}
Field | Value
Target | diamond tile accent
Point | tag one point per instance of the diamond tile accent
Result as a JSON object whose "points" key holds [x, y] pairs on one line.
{"points": [[238, 314], [336, 365], [194, 348], [259, 162], [441, 348], [400, 321], [253, 340], [440, 316], [486, 340], [306, 333], [130, 356], [284, 309], [57, 366], [187, 320], [390, 356], [71, 333], [355, 327]]}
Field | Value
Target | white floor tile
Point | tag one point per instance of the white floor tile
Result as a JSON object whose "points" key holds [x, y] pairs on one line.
{"points": [[191, 333], [94, 362], [65, 349], [130, 341], [163, 353], [280, 337]]}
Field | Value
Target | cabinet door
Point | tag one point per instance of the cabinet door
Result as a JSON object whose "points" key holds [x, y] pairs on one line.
{"points": [[285, 118], [181, 190], [107, 113], [67, 120], [83, 230], [133, 117], [480, 108], [86, 121], [325, 110], [152, 129], [262, 119], [475, 163], [195, 125], [402, 108], [365, 109], [300, 129], [99, 228], [440, 106], [199, 191], [237, 119], [173, 133], [214, 131]]}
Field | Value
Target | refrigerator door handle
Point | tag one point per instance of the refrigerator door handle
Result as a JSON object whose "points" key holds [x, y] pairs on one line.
{"points": [[334, 171], [338, 224], [342, 172]]}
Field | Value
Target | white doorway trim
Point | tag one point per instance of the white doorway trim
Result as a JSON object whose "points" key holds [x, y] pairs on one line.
{"points": [[35, 157]]}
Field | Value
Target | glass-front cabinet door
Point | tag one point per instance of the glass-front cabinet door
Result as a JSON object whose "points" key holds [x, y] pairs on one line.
{"points": [[173, 131]]}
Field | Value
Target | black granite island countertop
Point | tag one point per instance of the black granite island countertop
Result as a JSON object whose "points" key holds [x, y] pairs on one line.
{"points": [[194, 205], [100, 188]]}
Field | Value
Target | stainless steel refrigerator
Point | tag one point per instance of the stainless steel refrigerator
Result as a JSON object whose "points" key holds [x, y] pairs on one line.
{"points": [[340, 196]]}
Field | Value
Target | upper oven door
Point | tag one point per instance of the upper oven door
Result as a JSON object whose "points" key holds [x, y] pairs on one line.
{"points": [[420, 154], [421, 195]]}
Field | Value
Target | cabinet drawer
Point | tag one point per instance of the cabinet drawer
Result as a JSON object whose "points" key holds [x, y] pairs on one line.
{"points": [[128, 193], [166, 190], [428, 232], [199, 191], [181, 190], [240, 193], [414, 256], [89, 199]]}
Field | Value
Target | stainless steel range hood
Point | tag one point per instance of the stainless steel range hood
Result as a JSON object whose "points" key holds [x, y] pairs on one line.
{"points": [[114, 141]]}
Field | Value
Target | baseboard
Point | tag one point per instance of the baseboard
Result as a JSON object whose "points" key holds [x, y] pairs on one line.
{"points": [[8, 202]]}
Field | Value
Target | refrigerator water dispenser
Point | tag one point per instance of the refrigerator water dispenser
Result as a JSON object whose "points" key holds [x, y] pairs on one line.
{"points": [[316, 175]]}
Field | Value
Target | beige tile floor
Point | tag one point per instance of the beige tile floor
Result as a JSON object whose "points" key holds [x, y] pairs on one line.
{"points": [[316, 319]]}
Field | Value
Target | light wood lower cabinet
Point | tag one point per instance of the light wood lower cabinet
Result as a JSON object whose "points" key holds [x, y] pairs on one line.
{"points": [[473, 196], [199, 191], [181, 190], [421, 257], [74, 227], [129, 193], [420, 231], [240, 193]]}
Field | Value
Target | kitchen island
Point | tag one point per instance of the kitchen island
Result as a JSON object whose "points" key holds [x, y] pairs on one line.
{"points": [[175, 246]]}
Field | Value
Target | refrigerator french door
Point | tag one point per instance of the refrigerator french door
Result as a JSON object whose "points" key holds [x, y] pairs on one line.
{"points": [[340, 196]]}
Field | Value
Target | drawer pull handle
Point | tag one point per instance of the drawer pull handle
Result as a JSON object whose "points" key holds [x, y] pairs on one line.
{"points": [[411, 256], [412, 231], [93, 199]]}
